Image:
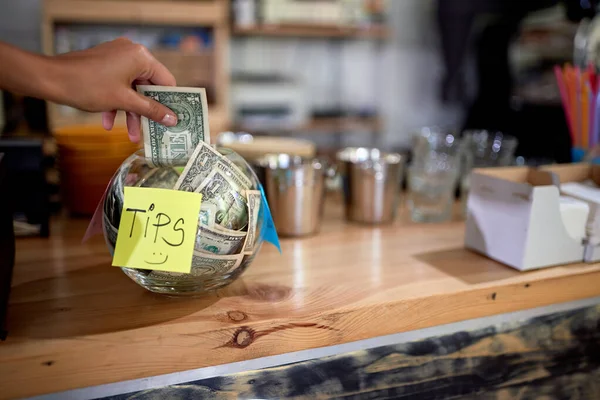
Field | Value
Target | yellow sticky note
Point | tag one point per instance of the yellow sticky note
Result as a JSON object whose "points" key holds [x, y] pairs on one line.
{"points": [[157, 230]]}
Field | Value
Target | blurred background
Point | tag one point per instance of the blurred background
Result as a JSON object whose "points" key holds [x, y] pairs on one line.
{"points": [[333, 72]]}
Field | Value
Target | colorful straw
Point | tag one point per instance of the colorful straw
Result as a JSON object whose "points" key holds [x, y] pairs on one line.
{"points": [[580, 97], [564, 95]]}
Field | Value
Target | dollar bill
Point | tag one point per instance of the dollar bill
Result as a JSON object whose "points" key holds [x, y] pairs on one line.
{"points": [[164, 178], [253, 198], [229, 170], [208, 213], [167, 146], [223, 229], [220, 242], [203, 265], [226, 193], [174, 276], [208, 265], [113, 203], [110, 234], [201, 163]]}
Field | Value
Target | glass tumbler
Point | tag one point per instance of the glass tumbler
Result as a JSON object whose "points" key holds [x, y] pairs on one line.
{"points": [[484, 149], [433, 175], [431, 190], [435, 142]]}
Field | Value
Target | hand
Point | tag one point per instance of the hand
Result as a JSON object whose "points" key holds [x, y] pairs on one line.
{"points": [[103, 79]]}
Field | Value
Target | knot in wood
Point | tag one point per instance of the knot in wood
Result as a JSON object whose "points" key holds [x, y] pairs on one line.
{"points": [[243, 337], [237, 316]]}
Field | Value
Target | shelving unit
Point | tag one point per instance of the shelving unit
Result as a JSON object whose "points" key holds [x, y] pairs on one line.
{"points": [[315, 31], [335, 33], [212, 14]]}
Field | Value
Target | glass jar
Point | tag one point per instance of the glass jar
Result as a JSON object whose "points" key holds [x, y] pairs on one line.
{"points": [[218, 259]]}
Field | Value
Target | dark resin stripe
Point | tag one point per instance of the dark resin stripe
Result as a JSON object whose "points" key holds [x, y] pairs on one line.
{"points": [[551, 357]]}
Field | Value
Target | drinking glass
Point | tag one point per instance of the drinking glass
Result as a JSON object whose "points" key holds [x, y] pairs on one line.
{"points": [[433, 175], [437, 143], [483, 149]]}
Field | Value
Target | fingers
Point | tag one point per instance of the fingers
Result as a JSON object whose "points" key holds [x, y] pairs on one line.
{"points": [[151, 109], [133, 124], [133, 127], [108, 119]]}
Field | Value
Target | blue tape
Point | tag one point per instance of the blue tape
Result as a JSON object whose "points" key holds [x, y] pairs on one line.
{"points": [[268, 233], [577, 154]]}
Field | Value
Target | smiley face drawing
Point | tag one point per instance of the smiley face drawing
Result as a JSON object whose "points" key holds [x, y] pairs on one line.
{"points": [[158, 259]]}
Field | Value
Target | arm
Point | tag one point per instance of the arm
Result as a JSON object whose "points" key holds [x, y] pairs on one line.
{"points": [[100, 79], [27, 73]]}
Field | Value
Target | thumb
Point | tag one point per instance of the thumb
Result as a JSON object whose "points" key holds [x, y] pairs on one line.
{"points": [[151, 109]]}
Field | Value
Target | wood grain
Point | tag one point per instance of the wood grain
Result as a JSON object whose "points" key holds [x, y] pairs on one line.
{"points": [[75, 321], [551, 357]]}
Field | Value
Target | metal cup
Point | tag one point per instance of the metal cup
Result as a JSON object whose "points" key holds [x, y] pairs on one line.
{"points": [[295, 191], [371, 181]]}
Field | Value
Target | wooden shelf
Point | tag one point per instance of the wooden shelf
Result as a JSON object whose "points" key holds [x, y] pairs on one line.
{"points": [[137, 12], [315, 31], [325, 125]]}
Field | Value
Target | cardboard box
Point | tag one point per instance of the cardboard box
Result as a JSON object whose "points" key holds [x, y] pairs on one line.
{"points": [[580, 173], [515, 216]]}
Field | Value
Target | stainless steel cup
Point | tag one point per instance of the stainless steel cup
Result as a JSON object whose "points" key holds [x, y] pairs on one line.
{"points": [[371, 183], [295, 191]]}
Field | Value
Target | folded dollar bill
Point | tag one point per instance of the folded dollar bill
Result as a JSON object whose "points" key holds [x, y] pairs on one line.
{"points": [[228, 195], [219, 241], [173, 146], [203, 161]]}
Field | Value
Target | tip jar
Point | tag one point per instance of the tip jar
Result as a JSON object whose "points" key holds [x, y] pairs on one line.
{"points": [[221, 250]]}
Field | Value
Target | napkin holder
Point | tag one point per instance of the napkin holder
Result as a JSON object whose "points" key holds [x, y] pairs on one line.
{"points": [[514, 217]]}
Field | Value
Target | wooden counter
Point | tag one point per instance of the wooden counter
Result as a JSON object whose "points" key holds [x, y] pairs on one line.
{"points": [[75, 321]]}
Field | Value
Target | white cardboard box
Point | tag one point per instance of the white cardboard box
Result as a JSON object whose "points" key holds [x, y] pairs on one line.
{"points": [[514, 217], [579, 173]]}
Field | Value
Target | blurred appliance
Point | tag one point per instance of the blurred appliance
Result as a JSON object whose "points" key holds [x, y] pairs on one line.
{"points": [[304, 11], [25, 181], [261, 101]]}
